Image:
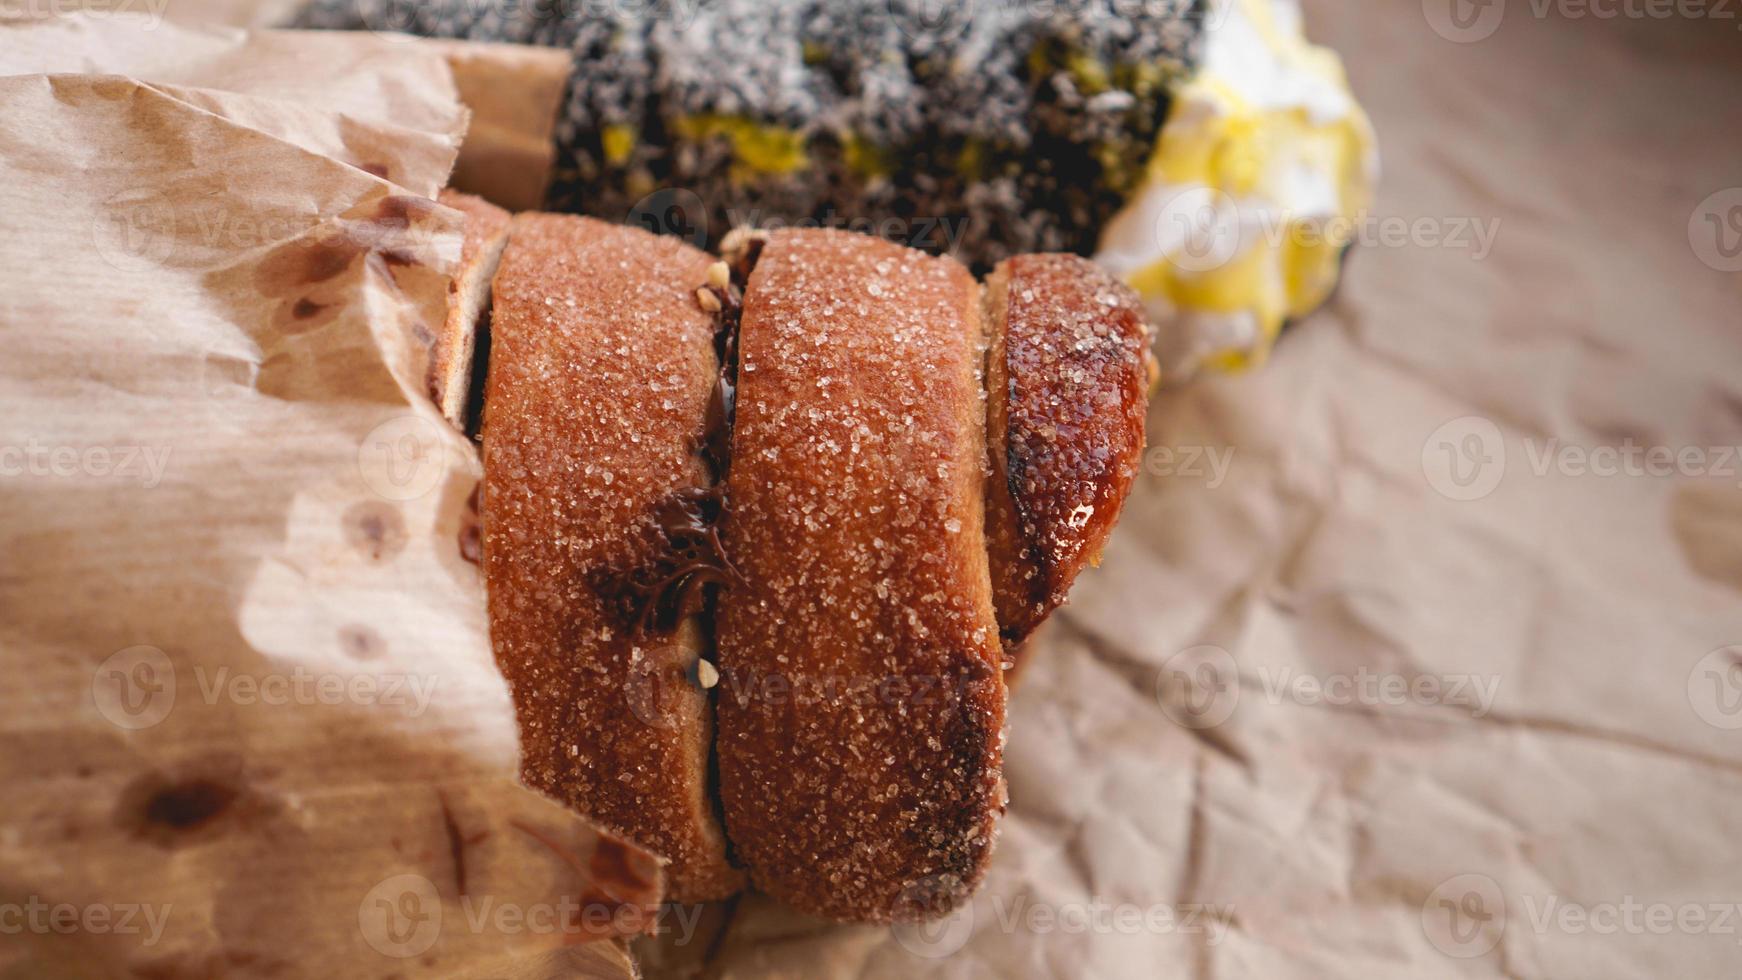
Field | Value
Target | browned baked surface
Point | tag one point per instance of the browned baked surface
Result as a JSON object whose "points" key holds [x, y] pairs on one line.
{"points": [[468, 294], [601, 369], [861, 705], [1067, 381]]}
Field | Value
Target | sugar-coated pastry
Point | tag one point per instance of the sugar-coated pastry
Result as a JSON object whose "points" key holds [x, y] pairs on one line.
{"points": [[861, 706], [1067, 379], [602, 370]]}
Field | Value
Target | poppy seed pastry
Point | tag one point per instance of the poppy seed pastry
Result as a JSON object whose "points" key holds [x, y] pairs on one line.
{"points": [[982, 129]]}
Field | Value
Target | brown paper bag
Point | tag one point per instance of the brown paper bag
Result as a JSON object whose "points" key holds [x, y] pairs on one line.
{"points": [[252, 726]]}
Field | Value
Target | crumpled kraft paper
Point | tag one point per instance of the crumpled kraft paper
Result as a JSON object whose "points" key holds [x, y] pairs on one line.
{"points": [[1329, 709], [251, 725], [1561, 770], [370, 78], [509, 93]]}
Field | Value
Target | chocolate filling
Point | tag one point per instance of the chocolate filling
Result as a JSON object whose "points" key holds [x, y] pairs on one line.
{"points": [[690, 564]]}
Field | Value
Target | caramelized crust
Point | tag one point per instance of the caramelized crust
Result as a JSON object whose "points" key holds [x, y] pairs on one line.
{"points": [[861, 705], [602, 367], [450, 369], [1067, 376]]}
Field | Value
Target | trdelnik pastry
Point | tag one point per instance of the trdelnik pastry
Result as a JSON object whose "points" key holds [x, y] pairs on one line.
{"points": [[984, 129], [762, 536]]}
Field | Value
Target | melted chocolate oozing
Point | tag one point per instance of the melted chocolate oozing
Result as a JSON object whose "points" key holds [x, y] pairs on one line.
{"points": [[692, 565]]}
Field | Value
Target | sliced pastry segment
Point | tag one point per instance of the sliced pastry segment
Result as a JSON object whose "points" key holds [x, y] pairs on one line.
{"points": [[1067, 379], [451, 367], [603, 365], [861, 707]]}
